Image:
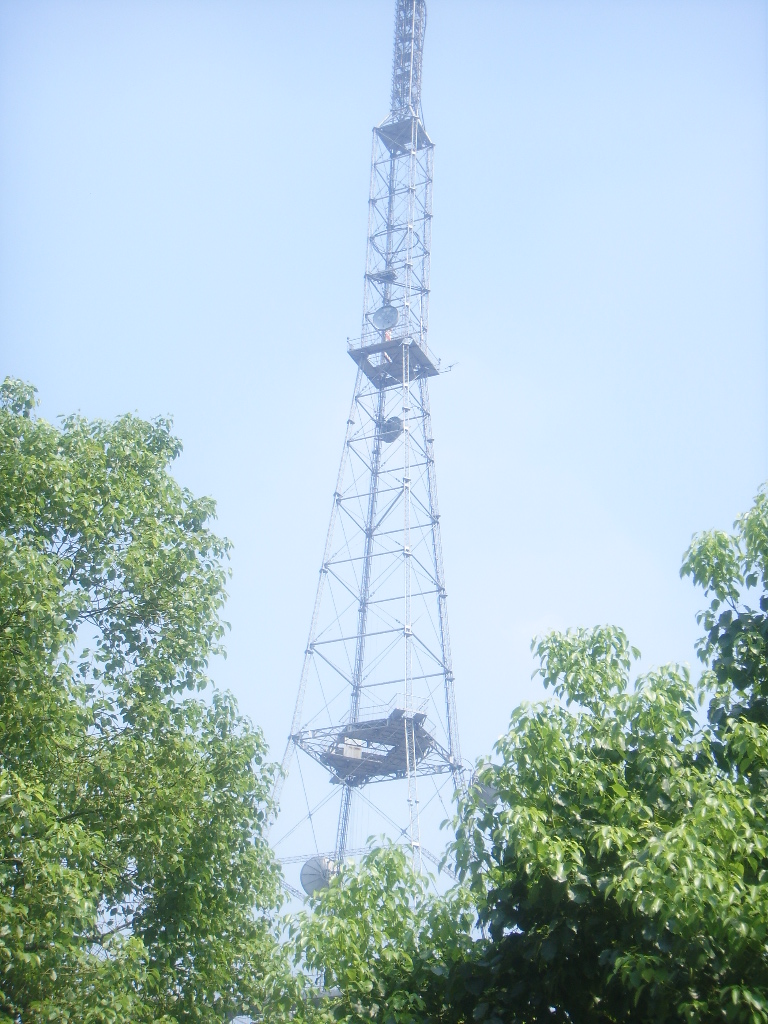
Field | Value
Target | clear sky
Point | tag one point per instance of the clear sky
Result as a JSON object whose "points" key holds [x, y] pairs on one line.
{"points": [[183, 202]]}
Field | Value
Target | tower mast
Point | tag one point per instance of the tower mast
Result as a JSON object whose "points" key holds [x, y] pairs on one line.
{"points": [[379, 630]]}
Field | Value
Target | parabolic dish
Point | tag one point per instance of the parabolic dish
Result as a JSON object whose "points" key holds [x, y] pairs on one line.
{"points": [[486, 793], [391, 429], [316, 874], [385, 318]]}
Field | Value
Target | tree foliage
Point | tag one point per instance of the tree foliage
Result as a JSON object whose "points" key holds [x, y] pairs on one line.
{"points": [[735, 645], [621, 873], [383, 942], [135, 879]]}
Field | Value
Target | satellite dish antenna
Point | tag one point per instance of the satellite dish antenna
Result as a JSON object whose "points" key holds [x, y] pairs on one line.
{"points": [[391, 429], [486, 793], [385, 318], [316, 874]]}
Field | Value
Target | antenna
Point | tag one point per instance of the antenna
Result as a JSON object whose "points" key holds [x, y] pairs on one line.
{"points": [[375, 709]]}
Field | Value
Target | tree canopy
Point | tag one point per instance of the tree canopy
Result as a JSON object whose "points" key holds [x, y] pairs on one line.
{"points": [[621, 871], [383, 942], [136, 882]]}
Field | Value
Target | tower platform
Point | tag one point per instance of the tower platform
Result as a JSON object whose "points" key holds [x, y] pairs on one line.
{"points": [[402, 134], [375, 749], [382, 361]]}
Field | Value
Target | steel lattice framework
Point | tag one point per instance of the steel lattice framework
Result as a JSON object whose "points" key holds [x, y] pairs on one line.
{"points": [[376, 696]]}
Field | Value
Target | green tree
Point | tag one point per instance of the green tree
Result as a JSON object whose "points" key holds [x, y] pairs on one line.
{"points": [[621, 872], [135, 879], [620, 865], [383, 942], [735, 646]]}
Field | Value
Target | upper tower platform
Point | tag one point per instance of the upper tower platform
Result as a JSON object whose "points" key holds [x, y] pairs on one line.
{"points": [[390, 361]]}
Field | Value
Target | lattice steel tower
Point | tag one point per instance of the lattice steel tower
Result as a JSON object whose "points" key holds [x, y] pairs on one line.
{"points": [[376, 696]]}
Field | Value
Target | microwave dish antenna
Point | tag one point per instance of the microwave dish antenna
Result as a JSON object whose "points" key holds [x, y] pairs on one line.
{"points": [[385, 318], [316, 874]]}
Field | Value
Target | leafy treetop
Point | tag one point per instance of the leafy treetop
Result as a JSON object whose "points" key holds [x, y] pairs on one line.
{"points": [[135, 878]]}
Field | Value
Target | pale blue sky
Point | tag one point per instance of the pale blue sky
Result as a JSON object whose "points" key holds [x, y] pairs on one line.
{"points": [[183, 196]]}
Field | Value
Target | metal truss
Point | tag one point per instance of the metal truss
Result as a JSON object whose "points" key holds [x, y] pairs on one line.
{"points": [[376, 695]]}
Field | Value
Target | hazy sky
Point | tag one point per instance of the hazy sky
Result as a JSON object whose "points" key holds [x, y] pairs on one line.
{"points": [[183, 203]]}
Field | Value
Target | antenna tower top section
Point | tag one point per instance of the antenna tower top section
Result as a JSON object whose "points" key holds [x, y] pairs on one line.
{"points": [[410, 23]]}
